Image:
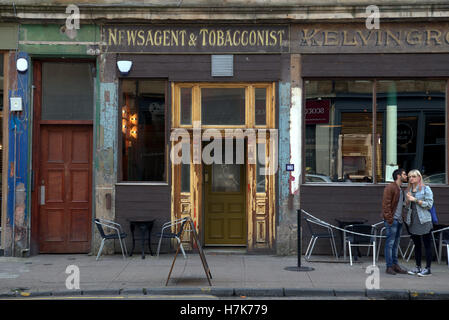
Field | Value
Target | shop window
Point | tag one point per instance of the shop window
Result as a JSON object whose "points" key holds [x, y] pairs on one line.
{"points": [[143, 130], [186, 106], [344, 145], [223, 106], [1, 130], [261, 106], [338, 131], [260, 178], [413, 135], [68, 91]]}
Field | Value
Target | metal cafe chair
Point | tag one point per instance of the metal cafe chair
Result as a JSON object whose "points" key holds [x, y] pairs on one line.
{"points": [[117, 234], [167, 234], [379, 240], [356, 240], [443, 240], [313, 226]]}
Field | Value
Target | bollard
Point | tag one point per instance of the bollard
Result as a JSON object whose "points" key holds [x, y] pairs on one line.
{"points": [[299, 267]]}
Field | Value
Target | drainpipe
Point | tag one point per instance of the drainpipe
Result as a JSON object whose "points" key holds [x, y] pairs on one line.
{"points": [[392, 115]]}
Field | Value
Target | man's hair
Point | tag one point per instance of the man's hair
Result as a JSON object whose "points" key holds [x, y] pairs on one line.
{"points": [[397, 172]]}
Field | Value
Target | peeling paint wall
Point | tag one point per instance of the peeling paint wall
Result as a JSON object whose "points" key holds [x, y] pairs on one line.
{"points": [[17, 216], [105, 158]]}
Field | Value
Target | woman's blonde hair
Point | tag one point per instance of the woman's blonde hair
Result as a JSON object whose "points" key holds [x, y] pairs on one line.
{"points": [[420, 180]]}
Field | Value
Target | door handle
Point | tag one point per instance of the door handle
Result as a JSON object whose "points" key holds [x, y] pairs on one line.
{"points": [[42, 202]]}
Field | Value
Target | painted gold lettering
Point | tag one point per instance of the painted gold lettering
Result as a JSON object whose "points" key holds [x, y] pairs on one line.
{"points": [[236, 37], [244, 38], [183, 34], [228, 41], [330, 38], [149, 38], [112, 36], [391, 35], [273, 38], [174, 37], [141, 36], [379, 38], [363, 38], [346, 41], [252, 38], [203, 33], [309, 38], [120, 36], [413, 37], [220, 38], [131, 37], [157, 37], [261, 37], [212, 38], [166, 41], [433, 34], [281, 34]]}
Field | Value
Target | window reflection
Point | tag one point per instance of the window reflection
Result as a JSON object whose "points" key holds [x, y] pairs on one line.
{"points": [[143, 130], [413, 136], [338, 131], [409, 130]]}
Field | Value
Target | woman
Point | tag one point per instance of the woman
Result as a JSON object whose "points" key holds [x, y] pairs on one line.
{"points": [[419, 220]]}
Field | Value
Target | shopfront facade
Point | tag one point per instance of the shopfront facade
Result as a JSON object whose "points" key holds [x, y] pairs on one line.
{"points": [[207, 95], [374, 101], [237, 119]]}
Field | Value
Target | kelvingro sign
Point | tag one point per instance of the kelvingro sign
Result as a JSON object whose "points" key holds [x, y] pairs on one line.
{"points": [[196, 39], [356, 38]]}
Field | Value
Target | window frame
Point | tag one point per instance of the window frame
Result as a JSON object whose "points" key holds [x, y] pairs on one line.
{"points": [[374, 132], [167, 170]]}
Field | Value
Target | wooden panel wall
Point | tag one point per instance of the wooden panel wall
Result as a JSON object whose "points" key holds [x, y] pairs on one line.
{"points": [[375, 65], [198, 67], [330, 202], [142, 202]]}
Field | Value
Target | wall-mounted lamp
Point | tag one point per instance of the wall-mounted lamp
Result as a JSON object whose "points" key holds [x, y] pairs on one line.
{"points": [[133, 119], [124, 66], [22, 65], [134, 132]]}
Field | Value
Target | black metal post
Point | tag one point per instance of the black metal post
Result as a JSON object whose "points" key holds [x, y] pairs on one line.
{"points": [[299, 267]]}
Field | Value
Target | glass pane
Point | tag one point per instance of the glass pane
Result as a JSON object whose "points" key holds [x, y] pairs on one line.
{"points": [[226, 177], [338, 131], [261, 106], [185, 177], [1, 124], [223, 106], [260, 164], [412, 128], [143, 130], [186, 106], [67, 91]]}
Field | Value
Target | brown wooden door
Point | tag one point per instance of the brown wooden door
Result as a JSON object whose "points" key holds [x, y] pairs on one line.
{"points": [[65, 197]]}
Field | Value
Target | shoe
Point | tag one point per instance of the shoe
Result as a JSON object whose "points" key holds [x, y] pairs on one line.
{"points": [[390, 270], [414, 271], [398, 269], [425, 272]]}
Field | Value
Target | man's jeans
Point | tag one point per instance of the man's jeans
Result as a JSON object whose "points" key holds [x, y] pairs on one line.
{"points": [[392, 242]]}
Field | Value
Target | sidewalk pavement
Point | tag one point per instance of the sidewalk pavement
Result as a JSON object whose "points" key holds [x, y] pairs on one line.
{"points": [[233, 275]]}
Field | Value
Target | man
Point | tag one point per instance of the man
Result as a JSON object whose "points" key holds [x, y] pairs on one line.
{"points": [[392, 203]]}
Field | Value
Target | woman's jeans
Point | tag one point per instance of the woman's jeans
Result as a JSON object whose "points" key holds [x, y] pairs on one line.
{"points": [[426, 238], [392, 242]]}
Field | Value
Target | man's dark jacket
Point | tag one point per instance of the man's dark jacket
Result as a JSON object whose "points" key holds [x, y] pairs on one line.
{"points": [[390, 201]]}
